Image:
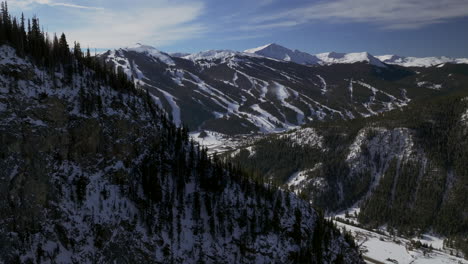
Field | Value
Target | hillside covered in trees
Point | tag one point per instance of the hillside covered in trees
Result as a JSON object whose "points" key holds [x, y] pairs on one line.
{"points": [[94, 172], [406, 169]]}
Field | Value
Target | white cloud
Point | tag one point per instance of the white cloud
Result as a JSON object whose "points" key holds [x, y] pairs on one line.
{"points": [[155, 26], [389, 14], [29, 3]]}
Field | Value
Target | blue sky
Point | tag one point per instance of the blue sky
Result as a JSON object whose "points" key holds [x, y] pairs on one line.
{"points": [[403, 27]]}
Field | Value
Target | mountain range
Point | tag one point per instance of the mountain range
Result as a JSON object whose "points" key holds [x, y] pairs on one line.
{"points": [[276, 51], [94, 172], [98, 164], [264, 90]]}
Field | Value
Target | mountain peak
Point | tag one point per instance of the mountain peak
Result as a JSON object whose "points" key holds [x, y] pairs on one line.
{"points": [[151, 51], [419, 62], [138, 47], [279, 52], [349, 58], [267, 46]]}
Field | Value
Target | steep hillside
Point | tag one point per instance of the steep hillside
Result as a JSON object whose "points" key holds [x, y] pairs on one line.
{"points": [[93, 172], [404, 169]]}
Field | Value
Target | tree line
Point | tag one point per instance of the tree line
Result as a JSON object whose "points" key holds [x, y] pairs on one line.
{"points": [[53, 53]]}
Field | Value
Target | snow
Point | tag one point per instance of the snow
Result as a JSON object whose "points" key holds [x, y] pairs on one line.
{"points": [[350, 88], [387, 106], [281, 53], [207, 58], [419, 62], [282, 94], [220, 143], [175, 108], [429, 85], [266, 119], [324, 84], [387, 249], [254, 50], [278, 52], [464, 117], [111, 205], [305, 137], [348, 58], [461, 61], [300, 178], [385, 145], [228, 104], [161, 56], [178, 54]]}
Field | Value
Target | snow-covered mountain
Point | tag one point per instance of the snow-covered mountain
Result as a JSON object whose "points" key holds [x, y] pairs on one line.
{"points": [[329, 58], [420, 62], [278, 52], [236, 92], [93, 173]]}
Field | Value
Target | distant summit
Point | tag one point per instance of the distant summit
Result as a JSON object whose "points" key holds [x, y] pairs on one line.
{"points": [[278, 52], [420, 62]]}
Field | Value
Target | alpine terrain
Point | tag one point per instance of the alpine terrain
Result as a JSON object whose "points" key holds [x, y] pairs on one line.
{"points": [[268, 155], [94, 172], [272, 88]]}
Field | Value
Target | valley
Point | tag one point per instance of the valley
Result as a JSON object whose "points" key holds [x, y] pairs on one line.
{"points": [[267, 155]]}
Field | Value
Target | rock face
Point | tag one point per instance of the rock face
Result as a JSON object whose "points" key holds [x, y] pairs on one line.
{"points": [[95, 175]]}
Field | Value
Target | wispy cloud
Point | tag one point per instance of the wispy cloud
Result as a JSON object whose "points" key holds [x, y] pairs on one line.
{"points": [[118, 23], [388, 14], [76, 6], [155, 26], [30, 3]]}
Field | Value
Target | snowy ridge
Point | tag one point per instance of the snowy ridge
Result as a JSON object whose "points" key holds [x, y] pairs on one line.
{"points": [[213, 55], [348, 58], [278, 52], [161, 56], [420, 62], [281, 53]]}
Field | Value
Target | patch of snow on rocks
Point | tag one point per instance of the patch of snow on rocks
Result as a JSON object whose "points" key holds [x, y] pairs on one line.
{"points": [[305, 137]]}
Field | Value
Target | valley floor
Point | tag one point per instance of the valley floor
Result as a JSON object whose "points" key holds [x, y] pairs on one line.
{"points": [[380, 248]]}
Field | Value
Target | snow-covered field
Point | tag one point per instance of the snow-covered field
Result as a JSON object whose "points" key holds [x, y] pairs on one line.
{"points": [[220, 143], [380, 248]]}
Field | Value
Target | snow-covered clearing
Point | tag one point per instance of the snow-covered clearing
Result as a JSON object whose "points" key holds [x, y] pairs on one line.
{"points": [[390, 249]]}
